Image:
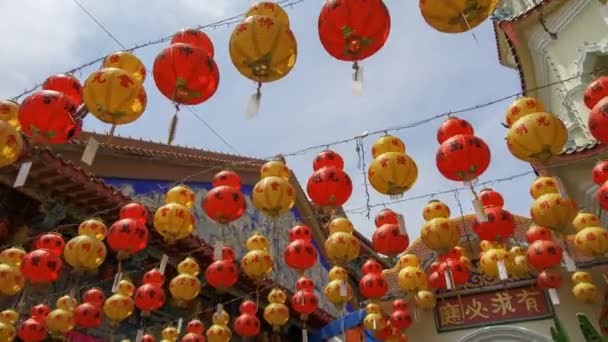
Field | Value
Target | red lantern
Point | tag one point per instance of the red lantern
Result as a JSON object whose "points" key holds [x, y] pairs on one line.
{"points": [[194, 37], [39, 312], [305, 284], [401, 319], [149, 297], [600, 172], [535, 233], [135, 211], [300, 232], [127, 237], [304, 302], [40, 266], [328, 158], [88, 315], [437, 281], [453, 126], [224, 204], [491, 198], [329, 186], [94, 296], [544, 254], [154, 277], [596, 91], [598, 121], [247, 324], [549, 280], [399, 304], [51, 241], [300, 255], [463, 158], [47, 117], [602, 196], [499, 225], [389, 240], [31, 330], [195, 326], [372, 285], [228, 178], [352, 30], [192, 337], [186, 74], [148, 338], [386, 216], [66, 84], [223, 273], [459, 271]]}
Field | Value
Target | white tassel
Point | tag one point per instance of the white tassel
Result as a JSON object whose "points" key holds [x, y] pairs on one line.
{"points": [[180, 323], [402, 227], [24, 171], [343, 289], [90, 151], [568, 262], [304, 335], [449, 280], [117, 280], [479, 212], [357, 80], [217, 251], [502, 270], [163, 263], [253, 106], [554, 296], [140, 335]]}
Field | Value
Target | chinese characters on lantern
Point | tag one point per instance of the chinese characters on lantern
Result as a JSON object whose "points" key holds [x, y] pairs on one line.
{"points": [[499, 307]]}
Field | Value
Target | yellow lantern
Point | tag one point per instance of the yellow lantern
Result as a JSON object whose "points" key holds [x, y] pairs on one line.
{"points": [[537, 137], [128, 62], [592, 241], [584, 220], [9, 112], [269, 9], [7, 332], [180, 194], [342, 247], [374, 321], [219, 331], [412, 279], [581, 277], [337, 273], [486, 245], [12, 256], [275, 168], [518, 267], [440, 234], [66, 303], [334, 292], [11, 280], [555, 212], [456, 16], [60, 321], [489, 261], [185, 286], [126, 288], [276, 313], [273, 196], [410, 260], [84, 253], [522, 107], [169, 334], [257, 263], [425, 299], [340, 224], [466, 261], [173, 222], [93, 228], [435, 209], [542, 186], [586, 293], [263, 48], [120, 305], [9, 316], [11, 144], [113, 96], [387, 143], [392, 173]]}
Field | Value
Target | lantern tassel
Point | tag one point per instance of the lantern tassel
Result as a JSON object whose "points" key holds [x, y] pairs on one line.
{"points": [[173, 126], [357, 79], [253, 106]]}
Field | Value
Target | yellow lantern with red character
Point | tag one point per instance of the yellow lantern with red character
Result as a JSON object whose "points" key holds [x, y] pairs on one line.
{"points": [[542, 186], [269, 9], [128, 62], [518, 266], [61, 320], [488, 262], [93, 228], [12, 256], [11, 144], [185, 286], [8, 320], [552, 210], [534, 135], [412, 279], [173, 222], [12, 280], [180, 194], [584, 290], [275, 168], [84, 253], [387, 143], [338, 291], [584, 220], [9, 112], [456, 16], [425, 299], [439, 233], [341, 245], [219, 331], [276, 313], [392, 173], [592, 242], [169, 334], [257, 262], [273, 196], [120, 305], [374, 321]]}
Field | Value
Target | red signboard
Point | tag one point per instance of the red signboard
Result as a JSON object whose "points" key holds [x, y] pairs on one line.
{"points": [[490, 308]]}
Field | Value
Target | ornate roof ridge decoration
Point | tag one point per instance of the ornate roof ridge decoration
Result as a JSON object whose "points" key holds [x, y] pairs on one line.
{"points": [[151, 148], [506, 14]]}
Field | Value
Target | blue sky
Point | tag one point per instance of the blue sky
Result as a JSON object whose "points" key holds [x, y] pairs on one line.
{"points": [[419, 73]]}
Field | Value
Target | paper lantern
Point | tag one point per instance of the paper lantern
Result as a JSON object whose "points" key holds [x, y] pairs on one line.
{"points": [[554, 212], [257, 262], [94, 296], [40, 312], [439, 233], [304, 300], [329, 186], [66, 84], [219, 331], [195, 326], [434, 209], [149, 297], [425, 299], [194, 37], [456, 16], [592, 241], [596, 91], [269, 9], [599, 174], [407, 260], [544, 254], [518, 265], [227, 178], [12, 280], [328, 158], [374, 321], [275, 168], [9, 316], [584, 290], [40, 266], [169, 334], [9, 112], [499, 224], [392, 173], [522, 107], [128, 62], [127, 237], [47, 117], [300, 255], [173, 222], [276, 313], [32, 330], [372, 285], [537, 137], [491, 198], [53, 242], [180, 194], [463, 158], [598, 119], [7, 332], [386, 216], [389, 240], [542, 186], [224, 204], [60, 321], [535, 233], [273, 196], [247, 324], [459, 271], [192, 337], [488, 262], [11, 144], [342, 247], [585, 220], [338, 291], [93, 228], [84, 253], [135, 211], [453, 126], [549, 280], [223, 273], [114, 96], [186, 286], [412, 279], [118, 307], [387, 143]]}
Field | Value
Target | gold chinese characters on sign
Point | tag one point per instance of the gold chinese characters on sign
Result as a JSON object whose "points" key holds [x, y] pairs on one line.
{"points": [[490, 308]]}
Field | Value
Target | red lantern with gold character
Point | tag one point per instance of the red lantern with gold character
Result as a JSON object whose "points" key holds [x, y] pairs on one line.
{"points": [[544, 254], [400, 318], [373, 285], [47, 116], [596, 91], [453, 126], [463, 158], [499, 224], [150, 296], [41, 266], [598, 121], [223, 273], [66, 84], [94, 296], [247, 324], [194, 37], [127, 237]]}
